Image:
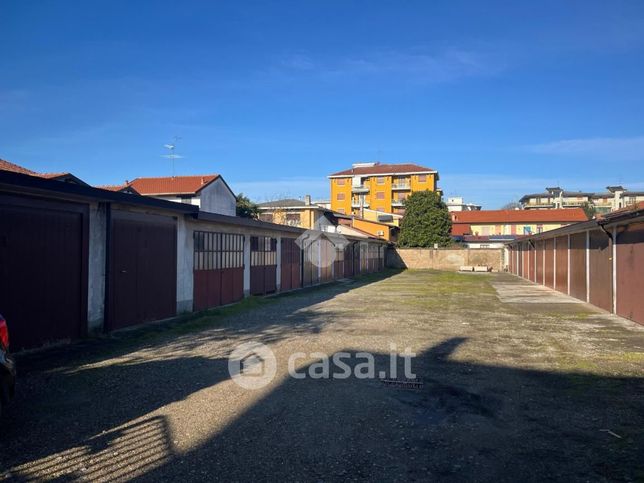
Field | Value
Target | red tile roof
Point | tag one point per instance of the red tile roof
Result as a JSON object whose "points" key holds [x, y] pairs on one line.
{"points": [[569, 215], [112, 187], [384, 169], [172, 185], [53, 175], [7, 166], [460, 229], [627, 209]]}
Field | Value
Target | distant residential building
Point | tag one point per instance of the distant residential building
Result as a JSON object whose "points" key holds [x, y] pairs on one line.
{"points": [[513, 222], [489, 241], [456, 203], [292, 212], [615, 198], [323, 203], [382, 217], [379, 187], [209, 191], [306, 214]]}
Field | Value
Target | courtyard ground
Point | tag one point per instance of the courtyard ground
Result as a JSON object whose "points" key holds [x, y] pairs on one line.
{"points": [[518, 383]]}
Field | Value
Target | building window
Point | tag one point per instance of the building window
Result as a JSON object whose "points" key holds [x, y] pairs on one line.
{"points": [[263, 251], [339, 197], [380, 209], [340, 181], [266, 217], [422, 178], [539, 228], [380, 195], [341, 210], [380, 180], [293, 219], [215, 251]]}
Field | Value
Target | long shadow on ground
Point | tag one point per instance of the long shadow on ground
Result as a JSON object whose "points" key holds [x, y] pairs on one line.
{"points": [[469, 422]]}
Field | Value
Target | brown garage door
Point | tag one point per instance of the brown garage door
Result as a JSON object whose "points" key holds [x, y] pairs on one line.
{"points": [[357, 264], [338, 264], [531, 262], [549, 260], [143, 269], [539, 265], [310, 257], [561, 262], [263, 265], [348, 260], [630, 276], [578, 266], [601, 270], [291, 265], [327, 256], [218, 269], [43, 270]]}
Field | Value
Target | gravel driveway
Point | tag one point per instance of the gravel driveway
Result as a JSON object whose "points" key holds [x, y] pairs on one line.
{"points": [[517, 383]]}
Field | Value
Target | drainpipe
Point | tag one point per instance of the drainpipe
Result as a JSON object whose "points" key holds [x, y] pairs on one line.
{"points": [[588, 266]]}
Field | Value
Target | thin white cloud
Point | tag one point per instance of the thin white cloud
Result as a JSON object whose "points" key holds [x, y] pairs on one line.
{"points": [[606, 148], [419, 66]]}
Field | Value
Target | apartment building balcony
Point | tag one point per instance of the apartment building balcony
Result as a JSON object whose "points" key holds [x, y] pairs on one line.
{"points": [[356, 204], [360, 189], [398, 203], [539, 204], [401, 186]]}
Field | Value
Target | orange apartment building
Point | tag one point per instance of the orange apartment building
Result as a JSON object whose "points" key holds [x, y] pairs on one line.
{"points": [[379, 187]]}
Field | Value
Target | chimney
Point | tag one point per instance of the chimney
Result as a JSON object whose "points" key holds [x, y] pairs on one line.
{"points": [[307, 200], [202, 180]]}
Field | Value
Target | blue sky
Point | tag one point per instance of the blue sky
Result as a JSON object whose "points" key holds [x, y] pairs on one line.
{"points": [[502, 98]]}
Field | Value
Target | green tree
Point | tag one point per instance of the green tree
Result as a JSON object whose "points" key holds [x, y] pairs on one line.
{"points": [[426, 221], [246, 208], [589, 209]]}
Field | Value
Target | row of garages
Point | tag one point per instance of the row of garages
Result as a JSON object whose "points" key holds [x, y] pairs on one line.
{"points": [[600, 261], [76, 260]]}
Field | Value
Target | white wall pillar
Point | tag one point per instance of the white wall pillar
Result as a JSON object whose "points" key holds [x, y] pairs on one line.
{"points": [[587, 266], [279, 263], [96, 266], [185, 266], [614, 247], [246, 265], [568, 290], [554, 262]]}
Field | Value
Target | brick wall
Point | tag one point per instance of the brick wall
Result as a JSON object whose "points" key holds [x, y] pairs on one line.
{"points": [[450, 259]]}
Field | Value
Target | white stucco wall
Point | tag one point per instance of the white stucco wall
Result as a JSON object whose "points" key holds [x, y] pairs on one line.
{"points": [[217, 198]]}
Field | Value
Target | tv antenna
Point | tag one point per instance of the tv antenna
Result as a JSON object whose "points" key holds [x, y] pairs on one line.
{"points": [[171, 152]]}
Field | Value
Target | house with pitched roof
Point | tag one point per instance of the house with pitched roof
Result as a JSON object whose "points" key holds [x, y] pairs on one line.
{"points": [[512, 223], [208, 191], [379, 187], [64, 176]]}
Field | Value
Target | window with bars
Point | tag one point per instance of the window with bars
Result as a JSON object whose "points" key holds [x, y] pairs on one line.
{"points": [[263, 251], [214, 251]]}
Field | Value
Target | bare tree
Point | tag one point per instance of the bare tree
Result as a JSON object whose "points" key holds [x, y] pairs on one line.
{"points": [[512, 205]]}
